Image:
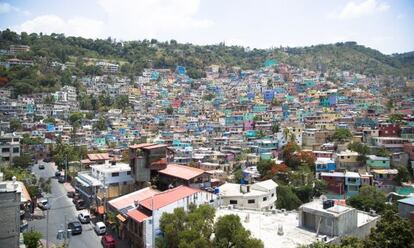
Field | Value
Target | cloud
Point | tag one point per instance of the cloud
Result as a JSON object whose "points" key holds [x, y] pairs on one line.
{"points": [[151, 18], [6, 8], [355, 10], [77, 26]]}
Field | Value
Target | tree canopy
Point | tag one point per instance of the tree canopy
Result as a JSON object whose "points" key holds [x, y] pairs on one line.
{"points": [[195, 228], [369, 198]]}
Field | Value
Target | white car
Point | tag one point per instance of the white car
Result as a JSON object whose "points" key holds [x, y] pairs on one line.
{"points": [[100, 228], [84, 217], [43, 204]]}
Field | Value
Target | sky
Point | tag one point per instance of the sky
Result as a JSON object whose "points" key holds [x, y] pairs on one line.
{"points": [[385, 25]]}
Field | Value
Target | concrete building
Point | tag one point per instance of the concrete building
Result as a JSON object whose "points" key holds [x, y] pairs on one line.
{"points": [[348, 160], [9, 147], [175, 175], [115, 177], [406, 208], [10, 200], [335, 220], [260, 195], [14, 49]]}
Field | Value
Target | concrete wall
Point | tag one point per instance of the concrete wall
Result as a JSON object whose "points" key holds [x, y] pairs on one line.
{"points": [[404, 210], [10, 217], [347, 222]]}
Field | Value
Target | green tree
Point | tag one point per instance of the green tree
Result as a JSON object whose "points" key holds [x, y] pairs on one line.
{"points": [[391, 231], [15, 125], [264, 166], [31, 239], [382, 152], [342, 134], [403, 175], [169, 110], [187, 229], [304, 193], [361, 149], [50, 119], [229, 232], [286, 198], [75, 117], [320, 187], [100, 124], [23, 161], [369, 197], [275, 128], [208, 97]]}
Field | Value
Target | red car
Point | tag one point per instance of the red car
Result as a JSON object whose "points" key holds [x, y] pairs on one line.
{"points": [[108, 241]]}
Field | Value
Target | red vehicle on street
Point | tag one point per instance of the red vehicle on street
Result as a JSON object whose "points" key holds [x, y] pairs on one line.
{"points": [[108, 241]]}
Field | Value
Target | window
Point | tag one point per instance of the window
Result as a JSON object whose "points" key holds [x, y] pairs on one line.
{"points": [[16, 150], [251, 201], [5, 149], [128, 172], [264, 198], [115, 174], [233, 202]]}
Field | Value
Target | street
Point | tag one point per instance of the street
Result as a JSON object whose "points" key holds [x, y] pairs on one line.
{"points": [[62, 209]]}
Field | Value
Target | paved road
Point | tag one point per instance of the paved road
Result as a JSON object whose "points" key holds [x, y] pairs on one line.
{"points": [[62, 208]]}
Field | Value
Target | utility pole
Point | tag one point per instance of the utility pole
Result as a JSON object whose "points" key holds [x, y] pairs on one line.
{"points": [[47, 223]]}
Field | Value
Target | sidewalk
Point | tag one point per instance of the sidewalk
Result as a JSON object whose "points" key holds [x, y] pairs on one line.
{"points": [[68, 187]]}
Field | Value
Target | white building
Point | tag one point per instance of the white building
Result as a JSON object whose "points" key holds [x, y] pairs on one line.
{"points": [[104, 181], [145, 218], [112, 174], [260, 195]]}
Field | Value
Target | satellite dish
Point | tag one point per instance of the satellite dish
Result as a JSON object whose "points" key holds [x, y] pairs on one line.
{"points": [[323, 198]]}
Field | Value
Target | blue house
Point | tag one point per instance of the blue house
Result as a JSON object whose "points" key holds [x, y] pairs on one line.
{"points": [[352, 183], [325, 165]]}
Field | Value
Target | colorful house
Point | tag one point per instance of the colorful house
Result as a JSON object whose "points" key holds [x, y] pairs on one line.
{"points": [[375, 162], [352, 183]]}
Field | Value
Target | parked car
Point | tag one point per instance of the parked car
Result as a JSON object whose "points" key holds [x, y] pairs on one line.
{"points": [[47, 160], [57, 174], [75, 227], [41, 166], [61, 179], [71, 194], [100, 228], [108, 241], [43, 204], [80, 204], [84, 217], [75, 197], [23, 225]]}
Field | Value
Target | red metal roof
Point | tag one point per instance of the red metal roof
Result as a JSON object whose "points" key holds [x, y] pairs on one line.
{"points": [[181, 171], [167, 197], [137, 215]]}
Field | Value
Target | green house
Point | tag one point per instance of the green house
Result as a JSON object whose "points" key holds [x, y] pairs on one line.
{"points": [[376, 162]]}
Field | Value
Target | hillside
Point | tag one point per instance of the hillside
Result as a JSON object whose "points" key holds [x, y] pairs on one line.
{"points": [[137, 55]]}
